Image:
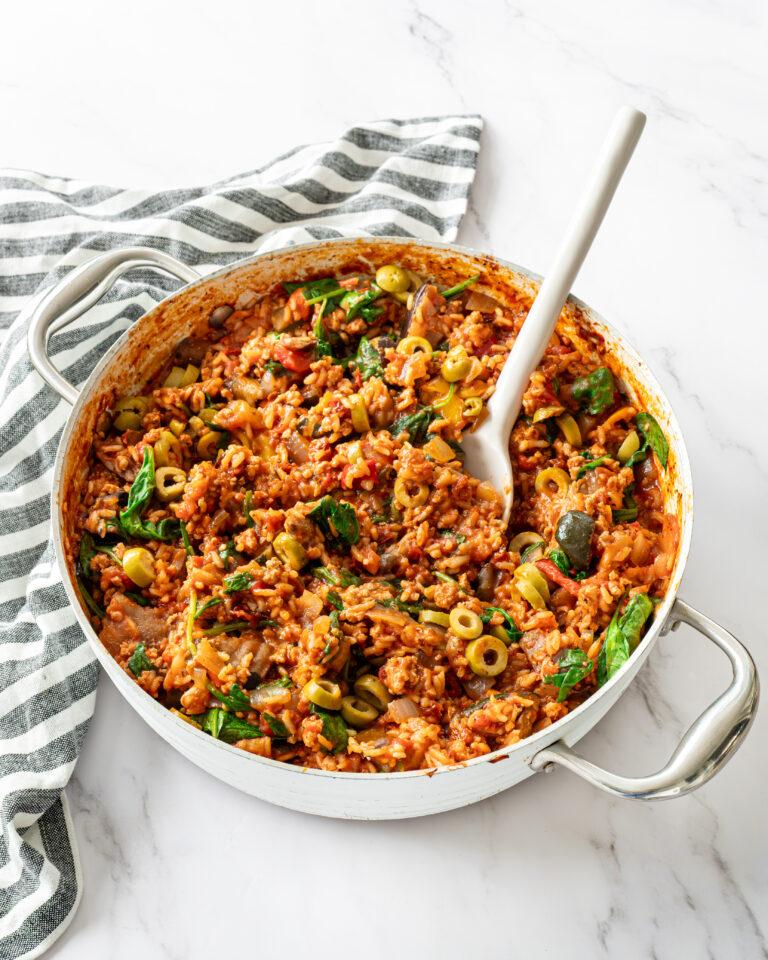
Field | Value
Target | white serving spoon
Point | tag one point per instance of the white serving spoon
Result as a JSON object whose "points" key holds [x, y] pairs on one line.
{"points": [[487, 449]]}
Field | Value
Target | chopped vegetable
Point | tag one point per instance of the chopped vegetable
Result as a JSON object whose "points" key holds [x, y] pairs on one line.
{"points": [[509, 627], [454, 291], [334, 578], [238, 581], [213, 602], [487, 656], [574, 666], [416, 425], [622, 636], [139, 496], [334, 729], [185, 539], [223, 725], [139, 661], [591, 465], [234, 626], [574, 534], [336, 519], [553, 572], [360, 302], [596, 391], [367, 359], [236, 699], [653, 436]]}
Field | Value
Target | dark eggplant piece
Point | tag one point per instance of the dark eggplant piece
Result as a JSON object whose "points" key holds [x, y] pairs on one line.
{"points": [[487, 580], [420, 321], [574, 534], [192, 350], [220, 315]]}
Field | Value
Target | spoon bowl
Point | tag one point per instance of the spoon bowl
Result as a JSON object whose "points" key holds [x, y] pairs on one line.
{"points": [[487, 449]]}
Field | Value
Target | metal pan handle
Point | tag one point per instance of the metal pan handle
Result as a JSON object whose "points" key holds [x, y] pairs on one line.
{"points": [[79, 291], [706, 746]]}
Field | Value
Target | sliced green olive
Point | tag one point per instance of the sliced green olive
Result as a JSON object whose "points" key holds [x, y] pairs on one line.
{"points": [[392, 279], [208, 444], [139, 565], [435, 616], [190, 375], [487, 656], [372, 690], [164, 446], [358, 712], [169, 483], [465, 623], [208, 415], [323, 693], [127, 421], [456, 365], [290, 551], [175, 378], [630, 446], [137, 405]]}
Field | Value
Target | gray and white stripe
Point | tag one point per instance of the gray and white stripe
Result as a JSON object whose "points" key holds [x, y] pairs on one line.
{"points": [[402, 177]]}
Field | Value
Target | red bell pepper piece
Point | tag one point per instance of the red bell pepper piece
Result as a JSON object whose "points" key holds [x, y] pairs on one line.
{"points": [[298, 305], [293, 360], [552, 572]]}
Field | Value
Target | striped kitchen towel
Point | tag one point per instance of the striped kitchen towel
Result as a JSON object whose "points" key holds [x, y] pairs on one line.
{"points": [[404, 177]]}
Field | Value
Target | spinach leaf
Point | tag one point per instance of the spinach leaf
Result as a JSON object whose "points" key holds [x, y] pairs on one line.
{"points": [[597, 390], [633, 619], [326, 289], [213, 602], [367, 359], [622, 636], [628, 512], [185, 539], [336, 519], [592, 465], [247, 507], [224, 726], [236, 699], [86, 553], [95, 609], [416, 425], [395, 603], [574, 666], [334, 599], [139, 661], [88, 550], [238, 581], [458, 537], [278, 728], [274, 366], [653, 436], [228, 552], [340, 578], [560, 560], [137, 598], [334, 728], [509, 625], [234, 626], [323, 347], [139, 496], [454, 291], [361, 302]]}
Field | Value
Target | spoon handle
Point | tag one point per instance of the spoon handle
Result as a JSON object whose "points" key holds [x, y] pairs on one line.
{"points": [[532, 340]]}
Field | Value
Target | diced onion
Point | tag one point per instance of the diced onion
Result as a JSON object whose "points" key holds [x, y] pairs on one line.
{"points": [[403, 709]]}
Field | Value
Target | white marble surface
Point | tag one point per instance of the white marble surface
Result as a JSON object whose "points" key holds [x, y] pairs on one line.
{"points": [[178, 865]]}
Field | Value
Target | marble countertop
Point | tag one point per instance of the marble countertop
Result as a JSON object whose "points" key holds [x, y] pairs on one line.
{"points": [[178, 865]]}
